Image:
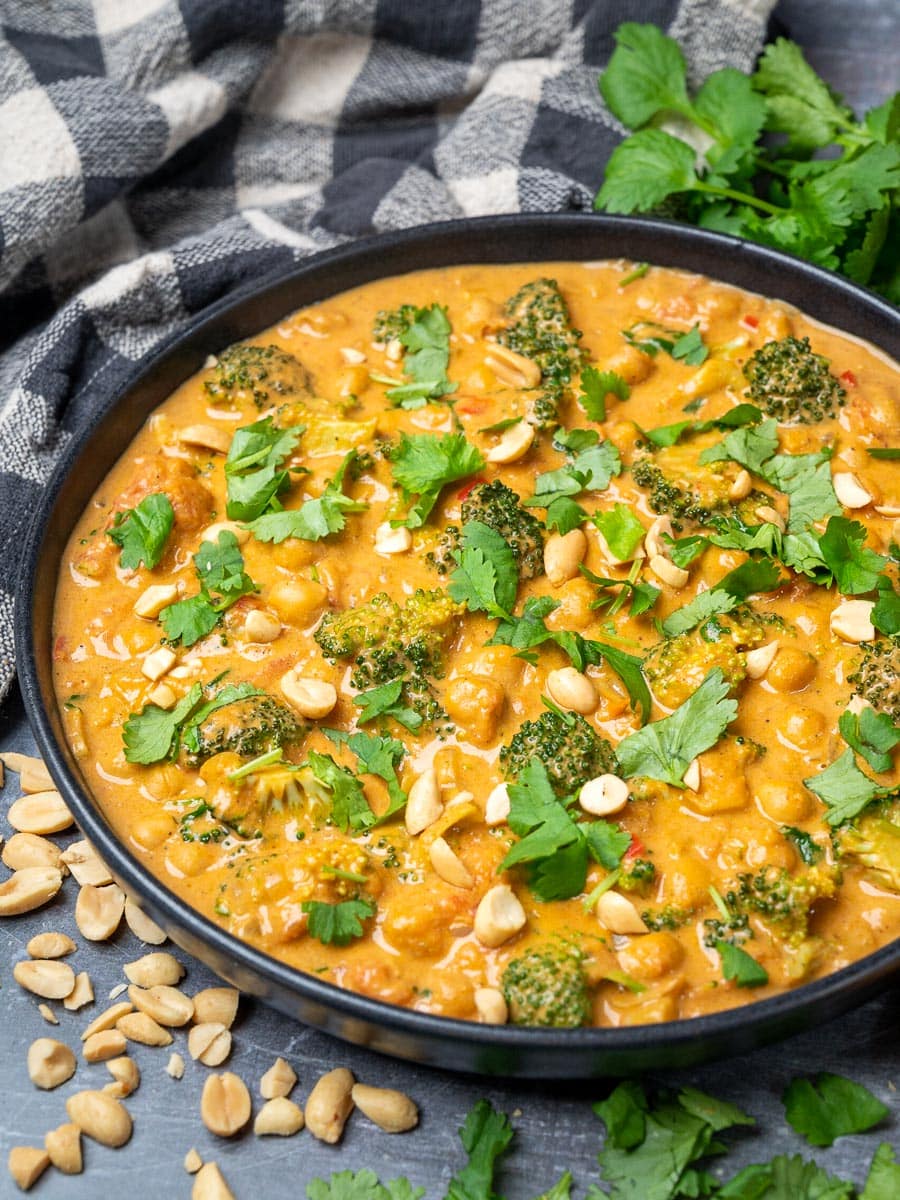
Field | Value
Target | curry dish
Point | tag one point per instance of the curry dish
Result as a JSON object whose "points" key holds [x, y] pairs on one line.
{"points": [[513, 643]]}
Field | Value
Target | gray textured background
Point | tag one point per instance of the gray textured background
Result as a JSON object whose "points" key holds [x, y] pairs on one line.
{"points": [[855, 44]]}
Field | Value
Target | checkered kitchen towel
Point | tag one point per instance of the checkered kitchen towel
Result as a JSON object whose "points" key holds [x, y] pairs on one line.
{"points": [[156, 153]]}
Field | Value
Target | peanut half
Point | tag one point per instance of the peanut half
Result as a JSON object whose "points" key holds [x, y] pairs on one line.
{"points": [[225, 1104], [101, 1117], [280, 1116], [391, 1111], [329, 1105], [50, 1063]]}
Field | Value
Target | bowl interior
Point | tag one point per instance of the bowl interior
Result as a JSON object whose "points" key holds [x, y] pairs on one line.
{"points": [[435, 1040]]}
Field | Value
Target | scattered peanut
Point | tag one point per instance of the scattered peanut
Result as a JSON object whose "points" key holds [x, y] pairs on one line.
{"points": [[278, 1116], [50, 945], [82, 993], [108, 1043], [207, 437], [449, 865], [278, 1080], [603, 795], [40, 812], [490, 1004], [192, 1161], [313, 698], [216, 1004], [392, 541], [28, 889], [262, 627], [25, 850], [742, 486], [154, 599], [849, 491], [209, 1043], [851, 621], [655, 545], [499, 916], [27, 1164], [771, 516], [175, 1066], [98, 911], [108, 1019], [139, 1027], [86, 865], [48, 1014], [513, 369], [691, 778], [154, 969], [618, 914], [166, 1005], [45, 977], [496, 810], [209, 1184], [101, 1117], [563, 554], [33, 774], [760, 659], [667, 572], [126, 1076], [513, 444], [424, 804], [143, 927], [329, 1105], [572, 690], [391, 1111], [225, 1104], [50, 1063], [63, 1145]]}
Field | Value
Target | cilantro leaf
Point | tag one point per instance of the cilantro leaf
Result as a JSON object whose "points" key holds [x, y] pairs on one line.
{"points": [[606, 842], [564, 514], [644, 169], [844, 789], [596, 386], [384, 701], [805, 844], [624, 1113], [646, 75], [746, 580], [872, 735], [665, 749], [887, 452], [378, 756], [424, 463], [690, 348], [621, 530], [717, 1113], [486, 577], [151, 735], [254, 467], [226, 695], [189, 621], [561, 1190], [349, 806], [426, 337], [361, 1185], [314, 519], [337, 924], [734, 418], [739, 966], [142, 532], [785, 1178], [883, 1180], [798, 102], [485, 1135], [220, 569], [830, 1107], [886, 613], [854, 566], [590, 467]]}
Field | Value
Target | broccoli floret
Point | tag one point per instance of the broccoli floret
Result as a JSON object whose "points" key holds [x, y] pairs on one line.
{"points": [[874, 841], [685, 501], [671, 917], [391, 324], [566, 744], [247, 727], [677, 666], [547, 986], [387, 642], [257, 373], [498, 506], [637, 876], [876, 677], [539, 328], [783, 901], [791, 383]]}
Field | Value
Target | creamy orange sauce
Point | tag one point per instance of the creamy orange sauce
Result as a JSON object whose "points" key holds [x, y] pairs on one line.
{"points": [[420, 949]]}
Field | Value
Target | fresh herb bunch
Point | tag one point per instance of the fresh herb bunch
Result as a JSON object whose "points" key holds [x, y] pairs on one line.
{"points": [[839, 211]]}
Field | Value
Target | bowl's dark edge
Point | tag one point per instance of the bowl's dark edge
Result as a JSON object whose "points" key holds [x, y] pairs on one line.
{"points": [[436, 1041]]}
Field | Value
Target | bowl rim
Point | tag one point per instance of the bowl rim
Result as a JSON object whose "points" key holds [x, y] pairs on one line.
{"points": [[740, 1025]]}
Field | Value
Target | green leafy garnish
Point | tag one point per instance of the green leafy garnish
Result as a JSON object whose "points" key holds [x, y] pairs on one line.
{"points": [[338, 924], [314, 519], [142, 532], [384, 701], [378, 756], [621, 530], [883, 1180], [486, 578], [872, 735], [855, 568], [891, 453], [155, 733], [219, 567], [361, 1185], [805, 844], [785, 1178], [739, 966], [595, 387], [668, 435], [424, 463], [426, 338], [844, 789], [830, 1107], [485, 1135], [746, 580], [591, 465], [254, 467], [349, 806], [651, 338], [665, 749]]}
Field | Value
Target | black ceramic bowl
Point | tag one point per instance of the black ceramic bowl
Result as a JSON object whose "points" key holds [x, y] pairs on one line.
{"points": [[438, 1041]]}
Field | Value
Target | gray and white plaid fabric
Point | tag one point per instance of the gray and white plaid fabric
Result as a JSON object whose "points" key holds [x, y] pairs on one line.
{"points": [[154, 154]]}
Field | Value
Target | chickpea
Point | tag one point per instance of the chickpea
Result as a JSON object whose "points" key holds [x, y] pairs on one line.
{"points": [[151, 830], [785, 803], [685, 882], [163, 781], [298, 601], [189, 858], [805, 727], [294, 553], [475, 703], [650, 1012], [652, 956], [632, 364], [575, 600], [792, 670]]}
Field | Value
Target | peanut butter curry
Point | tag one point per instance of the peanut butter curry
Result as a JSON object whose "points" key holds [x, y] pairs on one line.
{"points": [[514, 643]]}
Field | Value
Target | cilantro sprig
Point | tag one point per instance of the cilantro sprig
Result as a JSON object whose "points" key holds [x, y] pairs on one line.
{"points": [[844, 789], [838, 211], [314, 519], [590, 465], [220, 570], [426, 338], [338, 924], [155, 734], [255, 474], [142, 532], [424, 463]]}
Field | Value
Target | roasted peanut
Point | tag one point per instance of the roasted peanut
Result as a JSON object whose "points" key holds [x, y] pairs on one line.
{"points": [[50, 1063], [63, 1145], [225, 1104], [45, 977], [50, 945], [101, 1117], [279, 1116], [390, 1110], [278, 1080], [154, 969], [216, 1004], [329, 1105]]}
